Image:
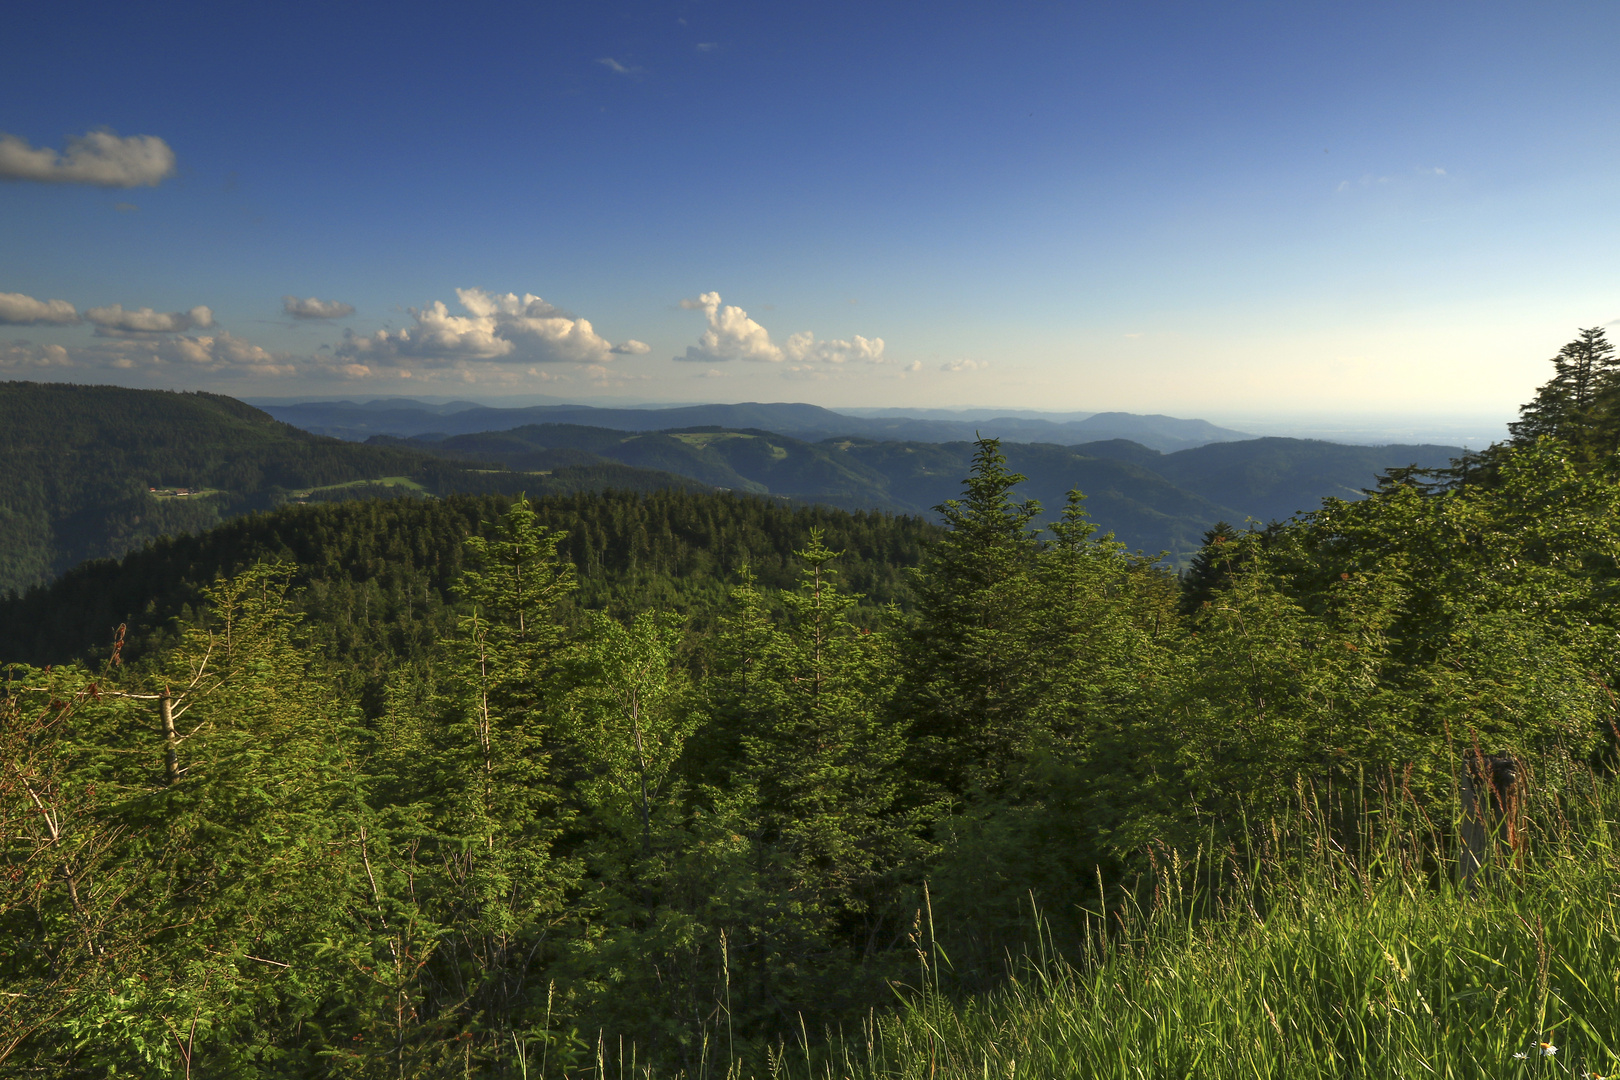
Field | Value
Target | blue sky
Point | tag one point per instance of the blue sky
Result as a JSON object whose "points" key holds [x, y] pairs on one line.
{"points": [[1222, 210]]}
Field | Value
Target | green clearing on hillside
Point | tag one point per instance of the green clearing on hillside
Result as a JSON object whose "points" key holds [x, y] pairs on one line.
{"points": [[402, 482]]}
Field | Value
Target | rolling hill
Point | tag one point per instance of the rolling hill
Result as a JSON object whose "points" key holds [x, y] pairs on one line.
{"points": [[95, 471], [1151, 500]]}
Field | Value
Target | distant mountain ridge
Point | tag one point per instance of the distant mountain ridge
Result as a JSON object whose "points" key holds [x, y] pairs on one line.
{"points": [[406, 419], [1152, 501]]}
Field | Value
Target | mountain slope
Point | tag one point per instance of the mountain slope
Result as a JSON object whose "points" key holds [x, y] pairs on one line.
{"points": [[1276, 477], [1150, 500], [93, 471], [1142, 507]]}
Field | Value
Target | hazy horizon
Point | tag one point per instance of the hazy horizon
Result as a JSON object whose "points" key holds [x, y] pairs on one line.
{"points": [[1473, 431], [1386, 211]]}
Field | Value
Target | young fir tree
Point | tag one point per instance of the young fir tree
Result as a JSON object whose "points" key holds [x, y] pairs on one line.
{"points": [[821, 763], [971, 679], [486, 812]]}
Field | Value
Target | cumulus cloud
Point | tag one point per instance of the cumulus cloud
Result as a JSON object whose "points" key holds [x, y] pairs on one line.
{"points": [[23, 355], [804, 346], [100, 157], [632, 348], [732, 335], [505, 328], [311, 308], [219, 354], [114, 321], [965, 364], [222, 353], [20, 310]]}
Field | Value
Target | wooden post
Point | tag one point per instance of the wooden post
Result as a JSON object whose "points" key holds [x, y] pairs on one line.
{"points": [[171, 743], [1492, 788]]}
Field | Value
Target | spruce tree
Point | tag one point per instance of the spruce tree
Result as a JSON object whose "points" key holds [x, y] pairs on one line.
{"points": [[971, 676]]}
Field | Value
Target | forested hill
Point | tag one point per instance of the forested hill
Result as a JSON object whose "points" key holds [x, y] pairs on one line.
{"points": [[95, 471], [375, 578], [1151, 501]]}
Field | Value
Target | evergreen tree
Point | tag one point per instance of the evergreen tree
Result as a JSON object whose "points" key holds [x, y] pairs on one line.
{"points": [[1577, 405], [970, 675], [488, 813]]}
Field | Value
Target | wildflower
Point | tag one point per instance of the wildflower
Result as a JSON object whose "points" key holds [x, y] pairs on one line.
{"points": [[1542, 1049]]}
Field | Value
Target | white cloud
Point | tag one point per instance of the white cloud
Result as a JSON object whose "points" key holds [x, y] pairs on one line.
{"points": [[632, 348], [311, 308], [96, 157], [618, 68], [222, 353], [20, 310], [16, 355], [915, 365], [707, 46], [964, 364], [505, 328], [732, 335], [114, 321], [216, 354], [804, 346]]}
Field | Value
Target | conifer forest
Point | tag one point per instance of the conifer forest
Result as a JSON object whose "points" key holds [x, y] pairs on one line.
{"points": [[689, 783]]}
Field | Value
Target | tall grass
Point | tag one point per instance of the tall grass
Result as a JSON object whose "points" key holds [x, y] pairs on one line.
{"points": [[1297, 959], [1315, 961]]}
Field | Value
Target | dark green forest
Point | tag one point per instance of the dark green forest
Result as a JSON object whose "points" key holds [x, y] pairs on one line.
{"points": [[487, 786], [377, 578], [96, 471]]}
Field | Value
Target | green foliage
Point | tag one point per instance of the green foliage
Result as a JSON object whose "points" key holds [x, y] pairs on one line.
{"points": [[970, 674], [376, 580], [479, 785], [1577, 404], [1341, 963]]}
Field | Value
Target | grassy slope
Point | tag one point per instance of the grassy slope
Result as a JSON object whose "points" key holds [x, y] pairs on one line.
{"points": [[1365, 966]]}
